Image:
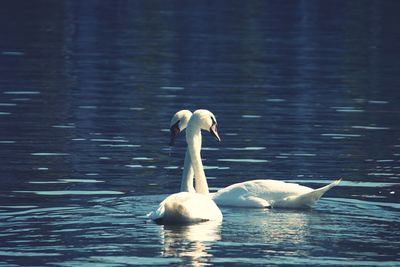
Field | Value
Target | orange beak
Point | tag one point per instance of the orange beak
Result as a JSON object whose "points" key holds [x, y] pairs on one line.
{"points": [[214, 132]]}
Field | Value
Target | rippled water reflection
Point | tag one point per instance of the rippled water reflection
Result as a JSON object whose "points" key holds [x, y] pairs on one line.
{"points": [[114, 231], [303, 91]]}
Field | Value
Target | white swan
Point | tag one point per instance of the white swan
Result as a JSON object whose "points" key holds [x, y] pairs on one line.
{"points": [[191, 207], [178, 123], [257, 193]]}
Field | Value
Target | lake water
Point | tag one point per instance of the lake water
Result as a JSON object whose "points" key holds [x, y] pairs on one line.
{"points": [[303, 91]]}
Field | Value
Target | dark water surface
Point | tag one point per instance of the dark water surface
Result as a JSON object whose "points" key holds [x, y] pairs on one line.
{"points": [[304, 91]]}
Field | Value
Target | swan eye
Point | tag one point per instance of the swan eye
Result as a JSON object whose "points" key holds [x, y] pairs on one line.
{"points": [[213, 120]]}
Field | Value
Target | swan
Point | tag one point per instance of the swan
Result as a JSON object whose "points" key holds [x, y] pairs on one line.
{"points": [[178, 123], [191, 207], [254, 193]]}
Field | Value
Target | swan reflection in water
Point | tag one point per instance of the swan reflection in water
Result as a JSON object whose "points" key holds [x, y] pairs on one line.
{"points": [[269, 230], [191, 242], [263, 231]]}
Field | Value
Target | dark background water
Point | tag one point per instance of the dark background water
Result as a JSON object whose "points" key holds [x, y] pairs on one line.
{"points": [[304, 91]]}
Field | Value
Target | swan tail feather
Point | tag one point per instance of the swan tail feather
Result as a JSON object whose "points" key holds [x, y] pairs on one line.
{"points": [[308, 199], [157, 214], [321, 191]]}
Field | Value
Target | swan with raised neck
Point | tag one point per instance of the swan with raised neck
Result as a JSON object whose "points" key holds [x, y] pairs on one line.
{"points": [[201, 120], [178, 123], [253, 193], [191, 207]]}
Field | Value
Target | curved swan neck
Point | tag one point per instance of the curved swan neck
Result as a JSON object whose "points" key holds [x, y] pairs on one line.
{"points": [[193, 139], [187, 175]]}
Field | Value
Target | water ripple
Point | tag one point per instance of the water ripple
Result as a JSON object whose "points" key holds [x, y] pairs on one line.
{"points": [[244, 160], [72, 192]]}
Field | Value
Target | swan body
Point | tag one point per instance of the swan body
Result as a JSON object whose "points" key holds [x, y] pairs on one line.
{"points": [[186, 207], [254, 193], [269, 193], [190, 206]]}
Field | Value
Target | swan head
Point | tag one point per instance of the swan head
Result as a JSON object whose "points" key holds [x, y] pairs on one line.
{"points": [[178, 123], [206, 120]]}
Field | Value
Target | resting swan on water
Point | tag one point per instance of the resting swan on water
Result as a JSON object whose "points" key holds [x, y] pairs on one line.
{"points": [[189, 206], [254, 193]]}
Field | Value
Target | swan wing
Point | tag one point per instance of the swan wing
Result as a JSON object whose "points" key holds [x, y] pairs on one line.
{"points": [[255, 202]]}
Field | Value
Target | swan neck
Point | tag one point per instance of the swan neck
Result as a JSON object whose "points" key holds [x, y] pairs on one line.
{"points": [[193, 139], [187, 175]]}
